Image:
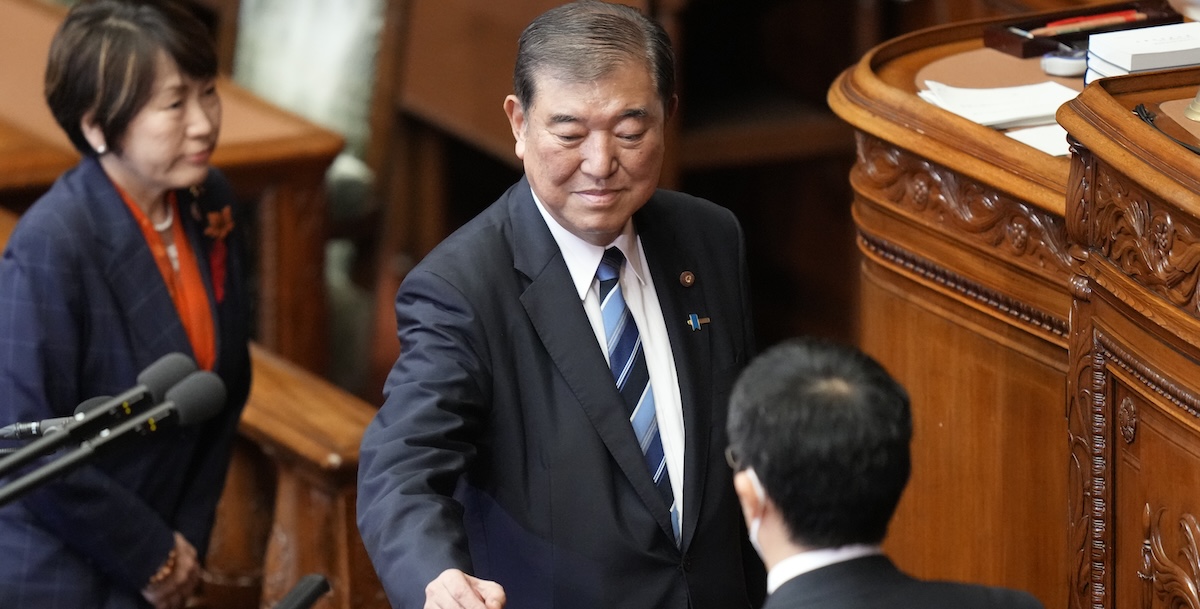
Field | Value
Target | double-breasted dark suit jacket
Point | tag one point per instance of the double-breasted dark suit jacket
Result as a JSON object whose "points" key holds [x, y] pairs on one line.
{"points": [[83, 310], [503, 448], [873, 582]]}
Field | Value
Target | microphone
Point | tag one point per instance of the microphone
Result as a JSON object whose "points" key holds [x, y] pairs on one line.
{"points": [[35, 429], [193, 400], [307, 591], [153, 383]]}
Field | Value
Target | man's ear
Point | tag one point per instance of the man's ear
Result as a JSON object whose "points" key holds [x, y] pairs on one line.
{"points": [[752, 502], [93, 133], [671, 106], [516, 120]]}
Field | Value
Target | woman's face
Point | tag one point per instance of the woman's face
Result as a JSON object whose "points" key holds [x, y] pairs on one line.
{"points": [[169, 142]]}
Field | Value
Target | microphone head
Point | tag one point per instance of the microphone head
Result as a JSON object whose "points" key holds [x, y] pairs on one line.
{"points": [[198, 397], [165, 373]]}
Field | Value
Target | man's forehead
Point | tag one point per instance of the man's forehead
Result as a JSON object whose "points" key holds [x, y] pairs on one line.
{"points": [[627, 94]]}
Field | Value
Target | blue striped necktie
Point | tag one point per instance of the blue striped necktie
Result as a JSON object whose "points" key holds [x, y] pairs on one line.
{"points": [[628, 363]]}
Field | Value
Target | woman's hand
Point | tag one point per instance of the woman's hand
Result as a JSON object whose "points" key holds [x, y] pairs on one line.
{"points": [[175, 581]]}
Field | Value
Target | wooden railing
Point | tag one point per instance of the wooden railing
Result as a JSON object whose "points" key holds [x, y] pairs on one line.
{"points": [[288, 507]]}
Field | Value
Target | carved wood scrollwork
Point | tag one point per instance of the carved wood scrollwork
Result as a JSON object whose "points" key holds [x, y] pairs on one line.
{"points": [[1127, 418], [1177, 585], [1146, 242], [1084, 380], [1090, 427], [962, 207], [1037, 319], [1083, 168]]}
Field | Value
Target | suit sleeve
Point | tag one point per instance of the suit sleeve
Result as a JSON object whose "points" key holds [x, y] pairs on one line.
{"points": [[40, 365], [423, 440]]}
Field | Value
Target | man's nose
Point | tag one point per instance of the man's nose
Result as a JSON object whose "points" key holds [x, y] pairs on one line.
{"points": [[599, 155]]}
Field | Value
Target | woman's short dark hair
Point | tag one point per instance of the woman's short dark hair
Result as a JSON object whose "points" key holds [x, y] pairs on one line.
{"points": [[587, 39], [104, 59]]}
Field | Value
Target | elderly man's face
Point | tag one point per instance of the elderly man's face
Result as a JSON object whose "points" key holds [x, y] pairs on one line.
{"points": [[592, 151]]}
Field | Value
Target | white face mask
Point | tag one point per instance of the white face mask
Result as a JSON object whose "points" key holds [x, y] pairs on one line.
{"points": [[757, 522]]}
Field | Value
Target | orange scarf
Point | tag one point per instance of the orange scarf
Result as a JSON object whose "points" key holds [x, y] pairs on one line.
{"points": [[185, 286]]}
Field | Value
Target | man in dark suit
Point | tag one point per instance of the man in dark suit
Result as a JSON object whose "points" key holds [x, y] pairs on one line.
{"points": [[819, 440], [517, 457]]}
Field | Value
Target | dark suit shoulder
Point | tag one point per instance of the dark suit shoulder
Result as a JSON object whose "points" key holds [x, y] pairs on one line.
{"points": [[875, 583], [679, 207]]}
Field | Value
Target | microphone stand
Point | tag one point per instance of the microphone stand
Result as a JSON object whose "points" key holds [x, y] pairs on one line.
{"points": [[307, 591], [75, 458]]}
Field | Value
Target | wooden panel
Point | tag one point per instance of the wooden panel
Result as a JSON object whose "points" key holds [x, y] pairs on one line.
{"points": [[985, 502], [967, 294]]}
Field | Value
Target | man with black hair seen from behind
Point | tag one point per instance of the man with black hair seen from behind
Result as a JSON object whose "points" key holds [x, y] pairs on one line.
{"points": [[819, 441]]}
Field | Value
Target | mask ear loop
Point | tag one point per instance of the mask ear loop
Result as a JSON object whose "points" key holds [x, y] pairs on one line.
{"points": [[759, 491]]}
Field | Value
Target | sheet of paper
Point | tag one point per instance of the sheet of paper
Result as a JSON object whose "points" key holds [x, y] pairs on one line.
{"points": [[1002, 107], [1051, 139]]}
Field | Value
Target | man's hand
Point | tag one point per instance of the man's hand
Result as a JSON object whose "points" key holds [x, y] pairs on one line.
{"points": [[454, 589], [181, 574]]}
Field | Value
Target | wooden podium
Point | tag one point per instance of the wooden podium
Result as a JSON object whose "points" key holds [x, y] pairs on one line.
{"points": [[1133, 409], [1044, 314], [965, 295]]}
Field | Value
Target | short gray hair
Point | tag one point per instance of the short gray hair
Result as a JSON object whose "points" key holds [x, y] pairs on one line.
{"points": [[585, 40]]}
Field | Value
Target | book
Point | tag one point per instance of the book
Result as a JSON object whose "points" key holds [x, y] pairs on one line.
{"points": [[1104, 68], [1149, 48]]}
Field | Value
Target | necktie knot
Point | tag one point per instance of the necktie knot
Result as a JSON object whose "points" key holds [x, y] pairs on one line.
{"points": [[610, 264]]}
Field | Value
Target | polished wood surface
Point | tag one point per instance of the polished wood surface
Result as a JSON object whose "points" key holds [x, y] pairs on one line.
{"points": [[273, 158], [1133, 214], [965, 297]]}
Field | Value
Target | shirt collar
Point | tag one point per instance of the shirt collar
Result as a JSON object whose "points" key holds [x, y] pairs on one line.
{"points": [[583, 258], [811, 560]]}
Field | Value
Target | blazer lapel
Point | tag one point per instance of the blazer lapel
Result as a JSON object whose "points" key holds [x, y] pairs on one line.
{"points": [[557, 315], [670, 266], [137, 284]]}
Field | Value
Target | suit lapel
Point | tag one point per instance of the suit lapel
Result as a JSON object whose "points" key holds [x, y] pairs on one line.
{"points": [[557, 315], [679, 299], [129, 267]]}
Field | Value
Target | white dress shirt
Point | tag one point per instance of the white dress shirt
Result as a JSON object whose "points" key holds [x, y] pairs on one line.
{"points": [[637, 287]]}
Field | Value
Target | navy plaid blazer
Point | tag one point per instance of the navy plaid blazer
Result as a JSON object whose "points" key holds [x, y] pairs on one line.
{"points": [[83, 309]]}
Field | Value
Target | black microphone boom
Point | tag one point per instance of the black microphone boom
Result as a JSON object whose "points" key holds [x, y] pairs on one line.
{"points": [[153, 384], [36, 429], [194, 399]]}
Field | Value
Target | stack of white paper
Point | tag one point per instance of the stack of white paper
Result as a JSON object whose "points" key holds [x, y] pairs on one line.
{"points": [[1144, 49], [1002, 107]]}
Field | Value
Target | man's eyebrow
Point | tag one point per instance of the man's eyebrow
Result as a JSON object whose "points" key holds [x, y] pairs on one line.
{"points": [[558, 119]]}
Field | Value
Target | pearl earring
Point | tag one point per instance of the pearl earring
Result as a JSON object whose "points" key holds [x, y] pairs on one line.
{"points": [[101, 149]]}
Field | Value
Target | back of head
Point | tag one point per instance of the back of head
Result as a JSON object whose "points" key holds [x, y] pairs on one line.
{"points": [[827, 431], [104, 59], [585, 40]]}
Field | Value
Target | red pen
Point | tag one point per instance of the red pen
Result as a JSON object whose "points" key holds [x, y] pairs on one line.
{"points": [[1091, 24], [1082, 18]]}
